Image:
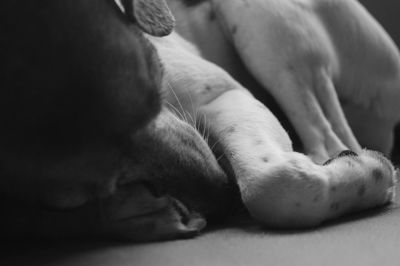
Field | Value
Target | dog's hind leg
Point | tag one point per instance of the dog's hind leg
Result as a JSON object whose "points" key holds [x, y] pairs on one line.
{"points": [[313, 107], [291, 55], [369, 81], [326, 94]]}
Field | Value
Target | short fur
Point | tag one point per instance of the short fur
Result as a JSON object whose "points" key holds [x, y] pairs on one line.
{"points": [[92, 146], [331, 68]]}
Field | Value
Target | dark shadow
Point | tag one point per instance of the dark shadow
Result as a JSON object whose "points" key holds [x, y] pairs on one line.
{"points": [[58, 252]]}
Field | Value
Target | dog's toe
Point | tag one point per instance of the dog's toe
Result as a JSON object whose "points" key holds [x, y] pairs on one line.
{"points": [[360, 182]]}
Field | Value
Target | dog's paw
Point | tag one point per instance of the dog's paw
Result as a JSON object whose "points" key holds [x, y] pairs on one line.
{"points": [[294, 192], [359, 181]]}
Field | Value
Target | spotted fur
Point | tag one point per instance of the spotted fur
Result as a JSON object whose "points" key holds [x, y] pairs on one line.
{"points": [[281, 187]]}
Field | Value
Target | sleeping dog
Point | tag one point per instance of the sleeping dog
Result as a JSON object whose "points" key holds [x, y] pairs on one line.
{"points": [[112, 130], [333, 71], [87, 148]]}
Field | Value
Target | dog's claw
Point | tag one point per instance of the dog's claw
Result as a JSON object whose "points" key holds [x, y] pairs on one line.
{"points": [[341, 154], [347, 153]]}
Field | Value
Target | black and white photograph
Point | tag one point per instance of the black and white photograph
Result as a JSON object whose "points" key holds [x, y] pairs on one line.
{"points": [[200, 132]]}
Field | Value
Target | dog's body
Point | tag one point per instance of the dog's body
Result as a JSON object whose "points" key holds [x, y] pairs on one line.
{"points": [[331, 68], [338, 47], [152, 178]]}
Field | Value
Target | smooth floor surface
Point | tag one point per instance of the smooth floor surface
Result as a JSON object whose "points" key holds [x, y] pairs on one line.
{"points": [[371, 238]]}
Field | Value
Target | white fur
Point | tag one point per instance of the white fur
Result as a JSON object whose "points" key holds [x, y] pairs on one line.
{"points": [[281, 187], [308, 54]]}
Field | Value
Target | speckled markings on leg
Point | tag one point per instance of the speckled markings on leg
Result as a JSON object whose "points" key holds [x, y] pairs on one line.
{"points": [[280, 187], [286, 189]]}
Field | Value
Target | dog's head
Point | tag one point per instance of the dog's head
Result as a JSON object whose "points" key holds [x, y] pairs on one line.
{"points": [[83, 129]]}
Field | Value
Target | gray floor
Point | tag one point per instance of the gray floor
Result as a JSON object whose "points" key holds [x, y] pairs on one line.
{"points": [[371, 238]]}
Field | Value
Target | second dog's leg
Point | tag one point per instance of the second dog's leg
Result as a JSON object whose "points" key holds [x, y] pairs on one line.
{"points": [[291, 55], [369, 82], [313, 107]]}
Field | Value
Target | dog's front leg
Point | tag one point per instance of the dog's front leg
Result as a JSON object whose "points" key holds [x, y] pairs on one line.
{"points": [[282, 188], [279, 187]]}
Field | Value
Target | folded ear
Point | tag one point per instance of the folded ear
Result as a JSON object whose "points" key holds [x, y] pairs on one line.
{"points": [[152, 16]]}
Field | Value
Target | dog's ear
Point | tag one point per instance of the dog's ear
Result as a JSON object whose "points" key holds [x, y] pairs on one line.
{"points": [[152, 16]]}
